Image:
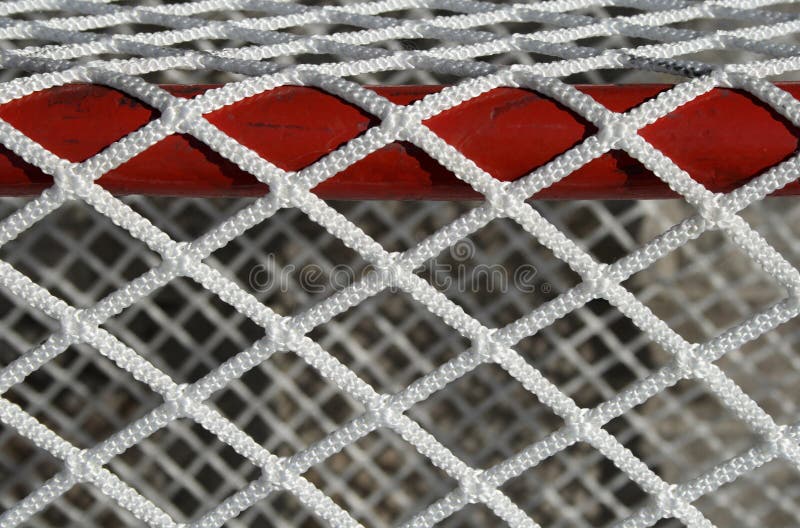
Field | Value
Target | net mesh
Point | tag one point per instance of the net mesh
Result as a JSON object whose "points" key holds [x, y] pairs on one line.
{"points": [[640, 370]]}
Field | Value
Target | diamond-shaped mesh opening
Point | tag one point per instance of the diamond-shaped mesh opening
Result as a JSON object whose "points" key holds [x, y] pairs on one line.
{"points": [[515, 57], [682, 431], [289, 262], [608, 230], [777, 222], [78, 255], [389, 340], [610, 10], [583, 489], [593, 353], [66, 113], [656, 217], [486, 416], [516, 27], [499, 273], [285, 405], [295, 139], [84, 504], [685, 136], [316, 28], [721, 22], [419, 219], [184, 329], [184, 469], [669, 523], [23, 467], [412, 44], [381, 479], [187, 218], [23, 327], [472, 516], [277, 510], [499, 157], [615, 41], [621, 76], [705, 287], [411, 14], [766, 368], [768, 496], [192, 77], [82, 396]]}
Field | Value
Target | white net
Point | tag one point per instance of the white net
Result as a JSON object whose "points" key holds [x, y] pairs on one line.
{"points": [[627, 362]]}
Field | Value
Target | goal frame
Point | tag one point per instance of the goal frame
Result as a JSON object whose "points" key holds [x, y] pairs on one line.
{"points": [[508, 132]]}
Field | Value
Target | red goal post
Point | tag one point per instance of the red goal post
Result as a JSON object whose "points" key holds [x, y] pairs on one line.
{"points": [[723, 139]]}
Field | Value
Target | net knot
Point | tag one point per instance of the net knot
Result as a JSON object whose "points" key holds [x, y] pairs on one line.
{"points": [[81, 466], [179, 401], [70, 181], [597, 279], [690, 363], [179, 116], [180, 257], [614, 132], [282, 192], [384, 410], [282, 336], [484, 348], [782, 444], [503, 200], [76, 326], [276, 473], [475, 487], [582, 424], [390, 267], [669, 501], [398, 123], [716, 216]]}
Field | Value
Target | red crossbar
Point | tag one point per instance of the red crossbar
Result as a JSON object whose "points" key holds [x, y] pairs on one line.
{"points": [[722, 139]]}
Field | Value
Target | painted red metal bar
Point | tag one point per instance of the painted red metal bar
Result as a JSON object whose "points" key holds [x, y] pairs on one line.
{"points": [[723, 139]]}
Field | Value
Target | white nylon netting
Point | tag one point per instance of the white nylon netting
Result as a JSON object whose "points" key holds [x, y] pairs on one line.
{"points": [[650, 379]]}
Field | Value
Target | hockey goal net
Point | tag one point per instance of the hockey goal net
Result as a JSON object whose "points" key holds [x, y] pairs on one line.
{"points": [[288, 343]]}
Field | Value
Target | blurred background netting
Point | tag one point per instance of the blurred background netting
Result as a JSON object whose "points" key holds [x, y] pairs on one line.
{"points": [[591, 354], [700, 290]]}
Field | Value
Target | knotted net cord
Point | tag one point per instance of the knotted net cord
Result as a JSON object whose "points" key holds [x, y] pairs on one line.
{"points": [[82, 44]]}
